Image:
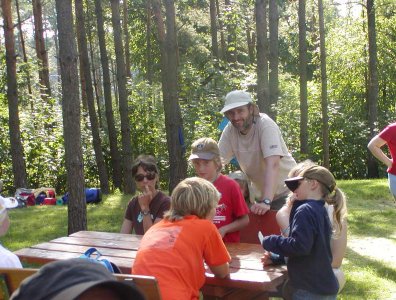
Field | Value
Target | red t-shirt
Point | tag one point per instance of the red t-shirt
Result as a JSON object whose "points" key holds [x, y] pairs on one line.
{"points": [[175, 252], [231, 206], [389, 135]]}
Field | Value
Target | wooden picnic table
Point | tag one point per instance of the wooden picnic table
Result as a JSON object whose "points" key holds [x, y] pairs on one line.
{"points": [[248, 278]]}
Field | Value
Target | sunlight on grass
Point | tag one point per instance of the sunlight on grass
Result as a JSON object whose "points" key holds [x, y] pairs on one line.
{"points": [[369, 265]]}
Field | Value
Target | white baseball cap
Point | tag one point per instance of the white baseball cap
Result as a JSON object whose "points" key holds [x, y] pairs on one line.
{"points": [[238, 98], [9, 202]]}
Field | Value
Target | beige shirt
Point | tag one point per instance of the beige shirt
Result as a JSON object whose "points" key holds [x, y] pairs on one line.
{"points": [[263, 139]]}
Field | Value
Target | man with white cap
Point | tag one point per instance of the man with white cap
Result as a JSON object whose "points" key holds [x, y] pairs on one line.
{"points": [[255, 140], [7, 258]]}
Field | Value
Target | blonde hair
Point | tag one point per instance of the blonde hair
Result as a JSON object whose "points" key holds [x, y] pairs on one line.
{"points": [[192, 196], [297, 169]]}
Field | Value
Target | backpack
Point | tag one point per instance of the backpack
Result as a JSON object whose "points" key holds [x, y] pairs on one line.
{"points": [[105, 262], [92, 195]]}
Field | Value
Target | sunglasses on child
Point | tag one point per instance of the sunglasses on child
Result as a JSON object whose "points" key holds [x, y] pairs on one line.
{"points": [[149, 176], [293, 184]]}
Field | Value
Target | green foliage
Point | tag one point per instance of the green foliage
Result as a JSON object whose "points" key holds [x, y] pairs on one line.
{"points": [[204, 81]]}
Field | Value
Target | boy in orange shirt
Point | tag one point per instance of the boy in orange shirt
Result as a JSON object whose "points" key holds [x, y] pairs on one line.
{"points": [[174, 250]]}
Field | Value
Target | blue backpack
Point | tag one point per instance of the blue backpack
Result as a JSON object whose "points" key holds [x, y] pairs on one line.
{"points": [[92, 195], [93, 255]]}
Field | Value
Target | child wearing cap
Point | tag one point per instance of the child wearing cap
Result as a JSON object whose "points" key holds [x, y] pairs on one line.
{"points": [[232, 211], [308, 246], [338, 239], [174, 249], [7, 258]]}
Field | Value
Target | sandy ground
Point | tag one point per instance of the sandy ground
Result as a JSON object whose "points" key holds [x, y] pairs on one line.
{"points": [[381, 249]]}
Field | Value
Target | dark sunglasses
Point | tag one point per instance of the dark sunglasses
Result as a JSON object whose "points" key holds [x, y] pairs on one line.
{"points": [[293, 185], [149, 176]]}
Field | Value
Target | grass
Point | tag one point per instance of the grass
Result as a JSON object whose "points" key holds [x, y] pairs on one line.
{"points": [[369, 265]]}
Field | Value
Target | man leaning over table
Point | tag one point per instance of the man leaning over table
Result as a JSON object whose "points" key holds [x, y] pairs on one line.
{"points": [[255, 140]]}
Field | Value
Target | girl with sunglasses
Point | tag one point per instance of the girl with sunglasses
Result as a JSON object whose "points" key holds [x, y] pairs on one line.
{"points": [[340, 228], [149, 207], [308, 245]]}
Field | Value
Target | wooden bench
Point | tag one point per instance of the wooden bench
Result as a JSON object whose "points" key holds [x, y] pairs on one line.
{"points": [[10, 279], [266, 223]]}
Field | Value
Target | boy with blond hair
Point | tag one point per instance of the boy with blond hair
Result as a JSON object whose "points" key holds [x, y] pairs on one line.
{"points": [[174, 249], [232, 211]]}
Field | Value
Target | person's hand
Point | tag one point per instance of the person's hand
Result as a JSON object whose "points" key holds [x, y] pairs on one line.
{"points": [[259, 208], [145, 198], [390, 163], [222, 231], [266, 258], [290, 200]]}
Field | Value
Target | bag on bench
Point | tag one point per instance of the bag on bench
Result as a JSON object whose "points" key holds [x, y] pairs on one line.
{"points": [[92, 254]]}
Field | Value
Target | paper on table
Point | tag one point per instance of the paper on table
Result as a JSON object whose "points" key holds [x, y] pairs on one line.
{"points": [[261, 237]]}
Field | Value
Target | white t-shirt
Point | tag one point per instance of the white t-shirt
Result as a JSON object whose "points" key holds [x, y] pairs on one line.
{"points": [[263, 139], [9, 259]]}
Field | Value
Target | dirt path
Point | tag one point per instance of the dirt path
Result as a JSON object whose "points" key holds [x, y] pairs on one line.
{"points": [[381, 249]]}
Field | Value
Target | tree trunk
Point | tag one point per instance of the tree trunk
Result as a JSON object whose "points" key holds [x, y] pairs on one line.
{"points": [[42, 55], [114, 152], [373, 84], [94, 71], [213, 29], [18, 162], [56, 43], [302, 69], [262, 57], [126, 36], [97, 143], [250, 41], [83, 82], [231, 53], [273, 77], [148, 43], [23, 48], [221, 29], [173, 119], [77, 213], [323, 74], [127, 159]]}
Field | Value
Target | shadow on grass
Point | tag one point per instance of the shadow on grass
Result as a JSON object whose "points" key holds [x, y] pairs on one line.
{"points": [[368, 278], [375, 222]]}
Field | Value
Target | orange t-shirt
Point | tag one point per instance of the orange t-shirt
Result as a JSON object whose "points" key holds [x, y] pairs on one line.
{"points": [[175, 252]]}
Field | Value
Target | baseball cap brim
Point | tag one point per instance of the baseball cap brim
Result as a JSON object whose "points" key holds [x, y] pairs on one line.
{"points": [[292, 183], [202, 155], [123, 290], [233, 105]]}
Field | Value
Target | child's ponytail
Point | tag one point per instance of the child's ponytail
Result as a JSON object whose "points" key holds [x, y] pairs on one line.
{"points": [[338, 200]]}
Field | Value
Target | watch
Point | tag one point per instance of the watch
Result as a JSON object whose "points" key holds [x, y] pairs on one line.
{"points": [[265, 201]]}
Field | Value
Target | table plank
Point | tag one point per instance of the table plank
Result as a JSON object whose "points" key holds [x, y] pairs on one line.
{"points": [[247, 271], [79, 250], [115, 236], [89, 242]]}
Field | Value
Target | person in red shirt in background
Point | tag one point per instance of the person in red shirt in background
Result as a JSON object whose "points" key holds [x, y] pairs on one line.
{"points": [[386, 136], [232, 211], [174, 250]]}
